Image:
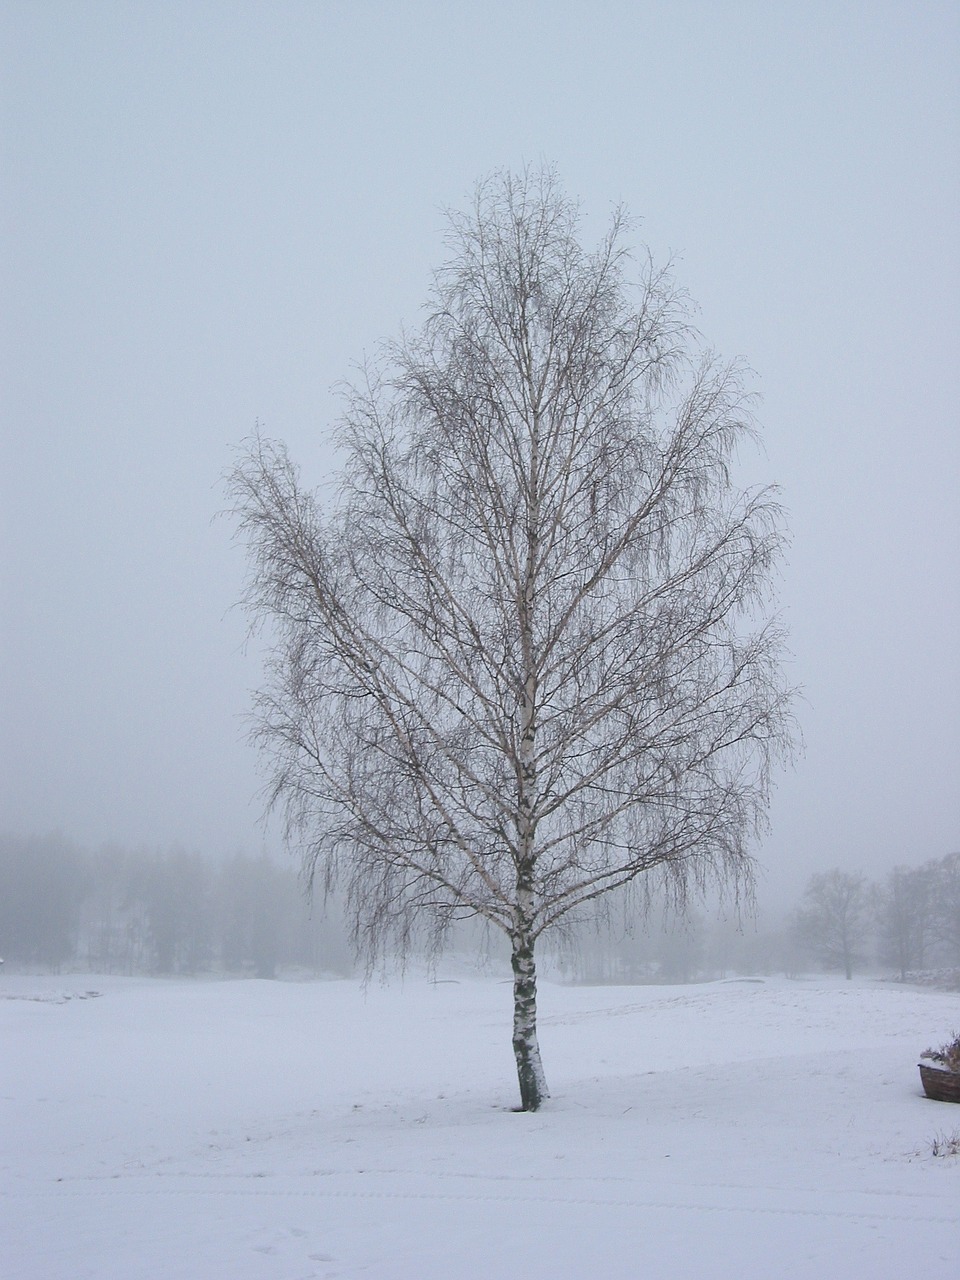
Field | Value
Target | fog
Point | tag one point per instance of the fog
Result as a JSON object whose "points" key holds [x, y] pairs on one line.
{"points": [[211, 212]]}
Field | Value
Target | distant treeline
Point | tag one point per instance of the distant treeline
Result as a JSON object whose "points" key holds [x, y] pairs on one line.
{"points": [[909, 923], [116, 910], [907, 926]]}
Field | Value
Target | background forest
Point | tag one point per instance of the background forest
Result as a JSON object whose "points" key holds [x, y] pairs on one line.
{"points": [[116, 910], [124, 911]]}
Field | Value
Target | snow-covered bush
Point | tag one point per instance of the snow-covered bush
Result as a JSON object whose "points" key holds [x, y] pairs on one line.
{"points": [[947, 1057]]}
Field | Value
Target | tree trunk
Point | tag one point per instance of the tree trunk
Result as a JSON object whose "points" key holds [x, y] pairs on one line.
{"points": [[533, 1084]]}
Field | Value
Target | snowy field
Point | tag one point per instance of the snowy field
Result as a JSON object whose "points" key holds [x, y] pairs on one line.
{"points": [[277, 1131]]}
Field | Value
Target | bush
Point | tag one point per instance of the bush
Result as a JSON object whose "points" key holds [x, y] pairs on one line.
{"points": [[947, 1057]]}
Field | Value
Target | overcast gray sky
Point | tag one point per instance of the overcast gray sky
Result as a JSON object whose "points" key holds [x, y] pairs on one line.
{"points": [[211, 210]]}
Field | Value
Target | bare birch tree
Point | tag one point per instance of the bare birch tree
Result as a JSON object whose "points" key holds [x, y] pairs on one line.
{"points": [[834, 923], [905, 914], [522, 660]]}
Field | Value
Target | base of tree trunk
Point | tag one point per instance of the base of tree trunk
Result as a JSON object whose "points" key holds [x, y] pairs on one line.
{"points": [[526, 1049]]}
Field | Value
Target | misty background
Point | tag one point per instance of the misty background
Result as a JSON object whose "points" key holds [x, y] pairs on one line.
{"points": [[210, 212]]}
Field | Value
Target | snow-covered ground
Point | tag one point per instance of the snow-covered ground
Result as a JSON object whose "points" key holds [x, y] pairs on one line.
{"points": [[276, 1131]]}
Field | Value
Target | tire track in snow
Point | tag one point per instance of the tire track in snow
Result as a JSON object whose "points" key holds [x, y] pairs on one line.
{"points": [[330, 1193]]}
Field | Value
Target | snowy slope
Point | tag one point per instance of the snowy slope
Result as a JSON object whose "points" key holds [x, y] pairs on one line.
{"points": [[278, 1131]]}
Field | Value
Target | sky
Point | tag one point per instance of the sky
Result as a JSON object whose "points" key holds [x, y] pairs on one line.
{"points": [[212, 211]]}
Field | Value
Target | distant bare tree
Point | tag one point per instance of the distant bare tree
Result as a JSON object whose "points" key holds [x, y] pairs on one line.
{"points": [[906, 918], [945, 876], [523, 660], [834, 922]]}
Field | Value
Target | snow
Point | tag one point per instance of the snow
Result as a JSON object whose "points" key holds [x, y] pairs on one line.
{"points": [[283, 1131]]}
